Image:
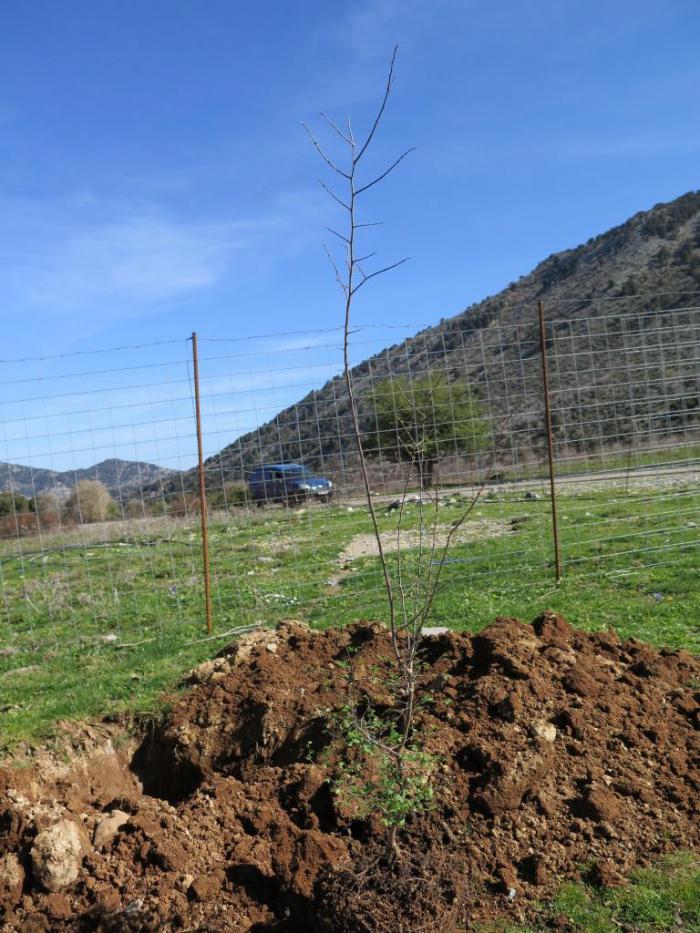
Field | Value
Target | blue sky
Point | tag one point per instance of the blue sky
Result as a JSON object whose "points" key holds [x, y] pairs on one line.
{"points": [[154, 177]]}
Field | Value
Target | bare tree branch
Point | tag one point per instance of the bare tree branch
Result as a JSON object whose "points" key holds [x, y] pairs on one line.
{"points": [[373, 275], [335, 269], [384, 174], [334, 195], [323, 155], [333, 126], [377, 119], [335, 233]]}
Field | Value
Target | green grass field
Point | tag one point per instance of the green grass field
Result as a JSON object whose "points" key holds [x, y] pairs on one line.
{"points": [[69, 602]]}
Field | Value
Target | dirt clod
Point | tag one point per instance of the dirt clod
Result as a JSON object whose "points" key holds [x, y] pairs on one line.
{"points": [[556, 750], [205, 887], [58, 906]]}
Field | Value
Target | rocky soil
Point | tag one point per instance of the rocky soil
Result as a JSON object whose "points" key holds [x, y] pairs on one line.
{"points": [[555, 750]]}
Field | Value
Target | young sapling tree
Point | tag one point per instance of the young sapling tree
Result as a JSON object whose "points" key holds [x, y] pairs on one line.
{"points": [[404, 770]]}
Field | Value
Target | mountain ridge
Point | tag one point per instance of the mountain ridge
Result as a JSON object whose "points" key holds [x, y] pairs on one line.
{"points": [[653, 254], [123, 478]]}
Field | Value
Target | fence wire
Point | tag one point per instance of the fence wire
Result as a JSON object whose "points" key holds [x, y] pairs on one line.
{"points": [[100, 543]]}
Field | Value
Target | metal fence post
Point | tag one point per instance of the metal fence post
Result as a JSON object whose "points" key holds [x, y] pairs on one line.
{"points": [[202, 487], [550, 441]]}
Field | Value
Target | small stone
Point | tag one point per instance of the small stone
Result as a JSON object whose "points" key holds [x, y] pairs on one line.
{"points": [[11, 880], [271, 646], [691, 524], [107, 829], [57, 855], [185, 882], [544, 731], [133, 908], [264, 559]]}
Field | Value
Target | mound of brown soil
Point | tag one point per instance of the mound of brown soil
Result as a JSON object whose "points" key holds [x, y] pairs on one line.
{"points": [[556, 750]]}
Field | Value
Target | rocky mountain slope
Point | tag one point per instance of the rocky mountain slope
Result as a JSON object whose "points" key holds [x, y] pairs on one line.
{"points": [[123, 478], [621, 367]]}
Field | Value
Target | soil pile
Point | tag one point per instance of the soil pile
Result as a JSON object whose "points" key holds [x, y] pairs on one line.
{"points": [[556, 749]]}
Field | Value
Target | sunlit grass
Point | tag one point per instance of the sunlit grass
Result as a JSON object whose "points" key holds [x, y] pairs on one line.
{"points": [[665, 897], [71, 601]]}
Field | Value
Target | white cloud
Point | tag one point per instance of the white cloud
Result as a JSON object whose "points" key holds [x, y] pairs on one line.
{"points": [[82, 254]]}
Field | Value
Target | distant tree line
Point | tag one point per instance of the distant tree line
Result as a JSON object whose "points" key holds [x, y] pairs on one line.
{"points": [[90, 501]]}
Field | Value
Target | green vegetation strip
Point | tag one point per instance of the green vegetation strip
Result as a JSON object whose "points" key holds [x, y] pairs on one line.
{"points": [[69, 602], [665, 897]]}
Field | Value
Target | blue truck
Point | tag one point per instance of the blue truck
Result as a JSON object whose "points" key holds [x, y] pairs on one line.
{"points": [[290, 483]]}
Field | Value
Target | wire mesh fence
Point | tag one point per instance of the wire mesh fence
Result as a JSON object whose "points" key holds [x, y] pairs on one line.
{"points": [[100, 539]]}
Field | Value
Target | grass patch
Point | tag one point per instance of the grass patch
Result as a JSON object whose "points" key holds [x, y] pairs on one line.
{"points": [[665, 897], [68, 600]]}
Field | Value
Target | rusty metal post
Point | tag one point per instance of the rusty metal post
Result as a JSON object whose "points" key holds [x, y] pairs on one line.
{"points": [[202, 487], [550, 441]]}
